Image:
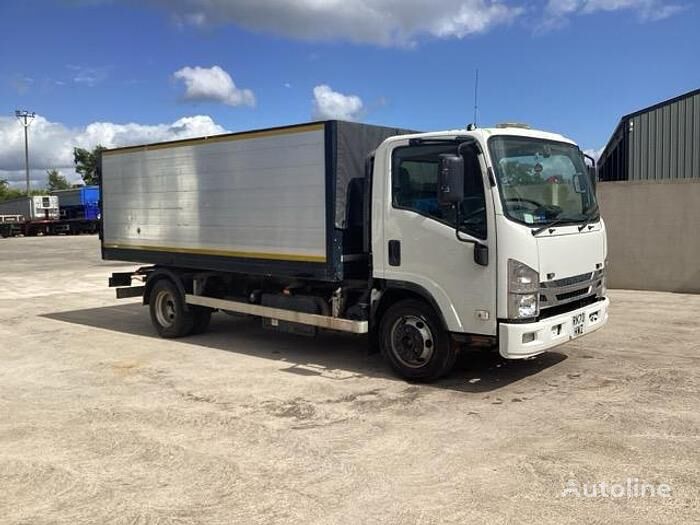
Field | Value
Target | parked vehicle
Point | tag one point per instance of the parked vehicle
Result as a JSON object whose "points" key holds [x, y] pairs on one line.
{"points": [[10, 225], [39, 212], [79, 210], [428, 242]]}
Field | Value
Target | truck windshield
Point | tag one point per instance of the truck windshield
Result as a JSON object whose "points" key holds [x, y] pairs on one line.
{"points": [[542, 181]]}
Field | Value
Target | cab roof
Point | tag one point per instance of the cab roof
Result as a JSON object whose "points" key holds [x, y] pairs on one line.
{"points": [[485, 133]]}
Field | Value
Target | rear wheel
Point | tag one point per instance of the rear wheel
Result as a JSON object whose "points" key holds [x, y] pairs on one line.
{"points": [[168, 311], [414, 342]]}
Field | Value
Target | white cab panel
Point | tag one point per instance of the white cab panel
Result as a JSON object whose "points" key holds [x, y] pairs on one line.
{"points": [[433, 258]]}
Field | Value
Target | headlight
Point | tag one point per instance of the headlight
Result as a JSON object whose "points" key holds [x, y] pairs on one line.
{"points": [[523, 291]]}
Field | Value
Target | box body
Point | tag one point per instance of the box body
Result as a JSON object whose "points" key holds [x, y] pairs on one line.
{"points": [[35, 208], [79, 203], [269, 202]]}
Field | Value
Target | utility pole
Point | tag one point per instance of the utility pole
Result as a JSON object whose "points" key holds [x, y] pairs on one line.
{"points": [[25, 118]]}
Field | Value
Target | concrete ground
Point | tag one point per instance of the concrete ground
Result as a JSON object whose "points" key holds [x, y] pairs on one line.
{"points": [[101, 422]]}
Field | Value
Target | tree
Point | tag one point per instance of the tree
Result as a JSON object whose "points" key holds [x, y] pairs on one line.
{"points": [[57, 181], [86, 163], [7, 193]]}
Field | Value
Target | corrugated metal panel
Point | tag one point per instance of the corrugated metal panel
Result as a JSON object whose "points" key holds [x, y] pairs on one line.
{"points": [[641, 141], [660, 143], [688, 133], [696, 136]]}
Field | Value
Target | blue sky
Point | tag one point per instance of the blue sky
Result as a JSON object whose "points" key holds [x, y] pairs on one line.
{"points": [[573, 66]]}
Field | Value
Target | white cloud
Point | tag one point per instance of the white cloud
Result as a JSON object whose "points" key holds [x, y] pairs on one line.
{"points": [[88, 76], [51, 143], [329, 104], [557, 11], [595, 153], [383, 22], [213, 84]]}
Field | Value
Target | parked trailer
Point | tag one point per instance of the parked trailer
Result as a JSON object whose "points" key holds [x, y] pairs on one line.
{"points": [[79, 210], [11, 225], [427, 242], [39, 212]]}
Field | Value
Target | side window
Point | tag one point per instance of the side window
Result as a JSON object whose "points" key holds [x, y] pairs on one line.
{"points": [[415, 179], [415, 183]]}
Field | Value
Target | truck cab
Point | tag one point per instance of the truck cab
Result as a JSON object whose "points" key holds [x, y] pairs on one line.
{"points": [[498, 230]]}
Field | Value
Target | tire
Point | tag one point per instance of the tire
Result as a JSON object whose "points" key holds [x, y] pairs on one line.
{"points": [[202, 317], [413, 340], [168, 314]]}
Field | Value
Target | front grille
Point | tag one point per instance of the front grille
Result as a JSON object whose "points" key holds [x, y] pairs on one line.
{"points": [[554, 294], [568, 281], [570, 295], [568, 307]]}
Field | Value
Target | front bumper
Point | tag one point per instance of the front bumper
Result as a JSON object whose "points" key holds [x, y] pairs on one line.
{"points": [[522, 340]]}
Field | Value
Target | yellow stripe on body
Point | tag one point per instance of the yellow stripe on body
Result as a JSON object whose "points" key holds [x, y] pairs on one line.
{"points": [[222, 253]]}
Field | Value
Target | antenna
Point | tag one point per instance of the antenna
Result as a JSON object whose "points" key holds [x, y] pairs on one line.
{"points": [[476, 96]]}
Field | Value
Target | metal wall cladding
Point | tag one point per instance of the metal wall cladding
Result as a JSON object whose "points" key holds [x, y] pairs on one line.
{"points": [[658, 143], [664, 143], [255, 196]]}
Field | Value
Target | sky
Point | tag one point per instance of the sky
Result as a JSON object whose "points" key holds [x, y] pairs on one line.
{"points": [[119, 72]]}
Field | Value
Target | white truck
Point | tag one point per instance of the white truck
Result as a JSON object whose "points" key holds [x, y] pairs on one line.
{"points": [[428, 242]]}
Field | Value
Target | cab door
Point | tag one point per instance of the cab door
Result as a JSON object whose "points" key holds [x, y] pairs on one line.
{"points": [[421, 246]]}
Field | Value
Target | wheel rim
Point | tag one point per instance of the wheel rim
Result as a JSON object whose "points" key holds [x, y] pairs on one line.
{"points": [[165, 309], [412, 341]]}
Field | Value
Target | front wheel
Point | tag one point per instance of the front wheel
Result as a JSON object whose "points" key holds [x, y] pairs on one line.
{"points": [[414, 342]]}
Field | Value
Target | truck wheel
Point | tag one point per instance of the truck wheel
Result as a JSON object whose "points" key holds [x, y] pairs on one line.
{"points": [[414, 342], [168, 313]]}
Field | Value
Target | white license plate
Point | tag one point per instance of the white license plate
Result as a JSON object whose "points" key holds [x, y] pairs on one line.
{"points": [[578, 324]]}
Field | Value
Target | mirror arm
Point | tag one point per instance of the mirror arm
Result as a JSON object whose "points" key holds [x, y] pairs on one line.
{"points": [[481, 250]]}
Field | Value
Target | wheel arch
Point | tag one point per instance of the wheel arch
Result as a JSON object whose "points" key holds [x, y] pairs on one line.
{"points": [[395, 291], [160, 274]]}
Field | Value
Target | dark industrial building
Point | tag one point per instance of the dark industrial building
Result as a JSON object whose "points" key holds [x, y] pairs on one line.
{"points": [[661, 142]]}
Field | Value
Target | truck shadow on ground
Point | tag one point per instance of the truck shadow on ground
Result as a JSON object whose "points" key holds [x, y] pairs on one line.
{"points": [[334, 356]]}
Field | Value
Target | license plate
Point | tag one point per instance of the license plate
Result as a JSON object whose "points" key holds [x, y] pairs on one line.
{"points": [[577, 321]]}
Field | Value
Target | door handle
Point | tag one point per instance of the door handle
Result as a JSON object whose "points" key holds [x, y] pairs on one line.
{"points": [[394, 253]]}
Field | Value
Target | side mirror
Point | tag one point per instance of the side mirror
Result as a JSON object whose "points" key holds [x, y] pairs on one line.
{"points": [[593, 175], [451, 179], [481, 254], [592, 172]]}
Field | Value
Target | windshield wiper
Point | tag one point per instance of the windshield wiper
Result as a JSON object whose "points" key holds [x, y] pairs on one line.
{"points": [[586, 221], [539, 230], [589, 218]]}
